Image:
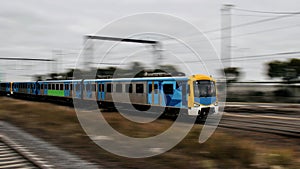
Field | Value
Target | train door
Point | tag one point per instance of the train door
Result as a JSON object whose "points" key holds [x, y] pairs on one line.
{"points": [[87, 90], [167, 91], [32, 88], [101, 92], [46, 89], [153, 93], [184, 91], [67, 89], [28, 88], [37, 88], [42, 86], [15, 87], [77, 87]]}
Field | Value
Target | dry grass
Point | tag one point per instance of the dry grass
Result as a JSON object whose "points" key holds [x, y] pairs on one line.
{"points": [[59, 125]]}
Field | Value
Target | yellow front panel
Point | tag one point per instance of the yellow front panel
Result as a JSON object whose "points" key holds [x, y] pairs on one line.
{"points": [[191, 93], [191, 86]]}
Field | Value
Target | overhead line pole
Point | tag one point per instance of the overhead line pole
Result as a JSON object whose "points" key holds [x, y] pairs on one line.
{"points": [[226, 32], [120, 39]]}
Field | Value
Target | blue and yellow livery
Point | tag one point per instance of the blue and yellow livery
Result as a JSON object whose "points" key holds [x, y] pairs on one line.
{"points": [[197, 94]]}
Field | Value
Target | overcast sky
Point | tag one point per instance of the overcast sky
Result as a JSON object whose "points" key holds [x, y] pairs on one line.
{"points": [[38, 28]]}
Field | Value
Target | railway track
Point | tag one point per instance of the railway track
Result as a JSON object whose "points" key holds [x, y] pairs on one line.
{"points": [[284, 126], [19, 149], [17, 156]]}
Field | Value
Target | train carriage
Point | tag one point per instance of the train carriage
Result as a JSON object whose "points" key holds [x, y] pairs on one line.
{"points": [[24, 89], [58, 88], [197, 94]]}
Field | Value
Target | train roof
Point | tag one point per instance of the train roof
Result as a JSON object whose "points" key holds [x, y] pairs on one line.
{"points": [[59, 81], [137, 79]]}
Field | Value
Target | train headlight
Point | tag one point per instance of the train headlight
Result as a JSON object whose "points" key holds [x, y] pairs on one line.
{"points": [[216, 104], [196, 105]]}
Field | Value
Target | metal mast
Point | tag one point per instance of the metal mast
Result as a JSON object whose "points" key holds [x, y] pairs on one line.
{"points": [[226, 35]]}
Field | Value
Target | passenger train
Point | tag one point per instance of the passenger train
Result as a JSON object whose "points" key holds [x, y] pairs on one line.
{"points": [[197, 94]]}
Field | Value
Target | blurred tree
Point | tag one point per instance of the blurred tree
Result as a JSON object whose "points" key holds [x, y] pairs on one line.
{"points": [[287, 71], [38, 77], [69, 73], [232, 74], [106, 73], [53, 76], [137, 70]]}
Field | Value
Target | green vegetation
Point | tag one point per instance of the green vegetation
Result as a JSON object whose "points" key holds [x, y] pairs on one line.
{"points": [[287, 71], [232, 74]]}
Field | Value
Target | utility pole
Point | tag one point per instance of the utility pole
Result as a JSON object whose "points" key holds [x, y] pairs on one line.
{"points": [[88, 54], [226, 35], [55, 59]]}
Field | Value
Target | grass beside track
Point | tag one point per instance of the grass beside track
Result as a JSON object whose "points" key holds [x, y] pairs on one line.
{"points": [[225, 149]]}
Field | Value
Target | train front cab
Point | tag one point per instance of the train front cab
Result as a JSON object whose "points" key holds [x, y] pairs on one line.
{"points": [[202, 97]]}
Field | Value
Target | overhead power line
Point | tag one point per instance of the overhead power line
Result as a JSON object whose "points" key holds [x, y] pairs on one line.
{"points": [[28, 59], [266, 16], [254, 22], [261, 31], [266, 12], [262, 56], [267, 55]]}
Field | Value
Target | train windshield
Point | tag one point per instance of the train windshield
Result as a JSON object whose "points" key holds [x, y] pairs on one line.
{"points": [[204, 88]]}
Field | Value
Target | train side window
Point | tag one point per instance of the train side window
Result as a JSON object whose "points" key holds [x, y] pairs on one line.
{"points": [[53, 86], [49, 87], [178, 84], [128, 88], [93, 86], [71, 86], [56, 86], [66, 86], [61, 87], [139, 88], [168, 88], [119, 88], [42, 86], [109, 88], [101, 87], [87, 87], [155, 88], [150, 88], [77, 87]]}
